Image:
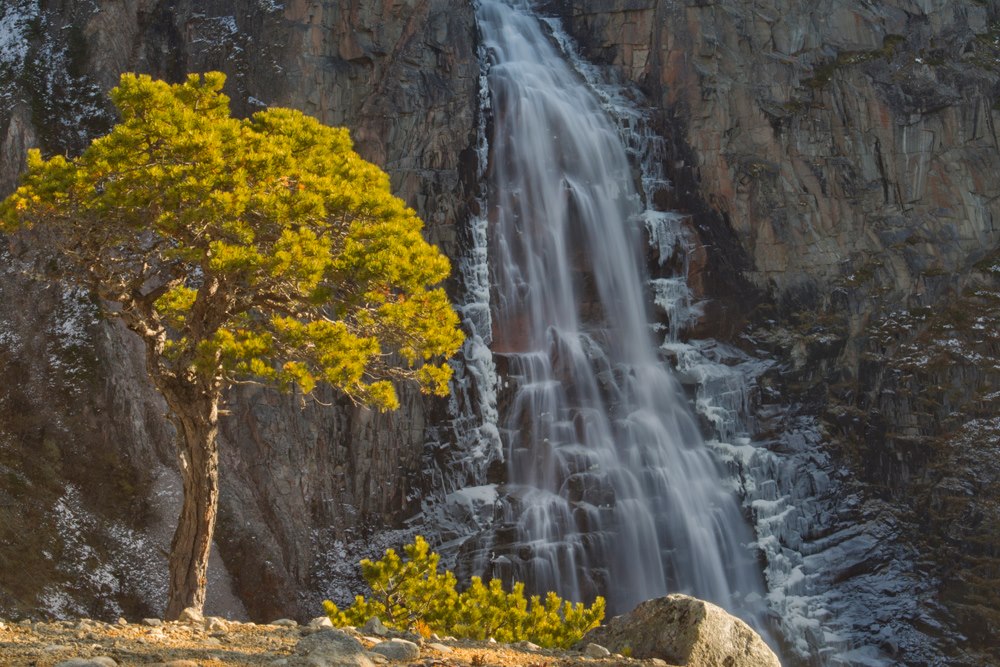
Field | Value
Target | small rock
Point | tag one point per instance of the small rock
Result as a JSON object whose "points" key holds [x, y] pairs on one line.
{"points": [[441, 648], [397, 649], [176, 663], [122, 621], [377, 658], [55, 648], [3, 626], [596, 651], [152, 622], [285, 623], [216, 624], [528, 646], [371, 640], [333, 647], [374, 626], [491, 641], [191, 616], [212, 641], [321, 622], [657, 662], [100, 661]]}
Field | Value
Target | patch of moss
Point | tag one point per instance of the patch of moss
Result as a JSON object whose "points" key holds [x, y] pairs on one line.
{"points": [[823, 73]]}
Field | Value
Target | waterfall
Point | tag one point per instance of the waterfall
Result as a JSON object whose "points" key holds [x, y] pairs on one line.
{"points": [[610, 487]]}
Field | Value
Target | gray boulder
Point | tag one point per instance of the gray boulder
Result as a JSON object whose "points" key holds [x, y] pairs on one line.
{"points": [[684, 631], [595, 651], [397, 649], [101, 661], [321, 622], [191, 616], [332, 648], [374, 626]]}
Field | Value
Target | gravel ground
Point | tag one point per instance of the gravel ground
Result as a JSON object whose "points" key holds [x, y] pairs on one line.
{"points": [[229, 643]]}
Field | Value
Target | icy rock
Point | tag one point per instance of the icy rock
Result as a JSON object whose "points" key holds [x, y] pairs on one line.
{"points": [[100, 661], [333, 648], [397, 649], [374, 626], [596, 651], [191, 616]]}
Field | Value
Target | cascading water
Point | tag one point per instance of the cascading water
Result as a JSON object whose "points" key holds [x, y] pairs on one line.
{"points": [[610, 488]]}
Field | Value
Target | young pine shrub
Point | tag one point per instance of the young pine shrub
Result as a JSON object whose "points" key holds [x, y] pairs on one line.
{"points": [[411, 595], [403, 592]]}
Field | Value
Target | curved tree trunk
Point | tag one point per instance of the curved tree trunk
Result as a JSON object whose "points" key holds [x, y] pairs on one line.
{"points": [[198, 458]]}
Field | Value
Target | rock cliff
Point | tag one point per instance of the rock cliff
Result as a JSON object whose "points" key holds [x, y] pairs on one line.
{"points": [[839, 161], [299, 478]]}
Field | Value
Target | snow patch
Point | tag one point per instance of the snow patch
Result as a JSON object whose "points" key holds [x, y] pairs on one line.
{"points": [[15, 19]]}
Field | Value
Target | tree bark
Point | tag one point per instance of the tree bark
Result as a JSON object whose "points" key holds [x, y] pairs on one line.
{"points": [[195, 414]]}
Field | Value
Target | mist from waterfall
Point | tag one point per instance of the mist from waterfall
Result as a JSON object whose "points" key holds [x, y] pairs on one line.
{"points": [[610, 488]]}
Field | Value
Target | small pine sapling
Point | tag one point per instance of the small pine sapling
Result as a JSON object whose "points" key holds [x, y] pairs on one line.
{"points": [[411, 595]]}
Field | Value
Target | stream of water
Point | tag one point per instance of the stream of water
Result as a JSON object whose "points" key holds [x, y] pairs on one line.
{"points": [[610, 489]]}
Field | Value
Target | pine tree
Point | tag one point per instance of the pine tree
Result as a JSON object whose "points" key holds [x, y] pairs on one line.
{"points": [[410, 593], [262, 248]]}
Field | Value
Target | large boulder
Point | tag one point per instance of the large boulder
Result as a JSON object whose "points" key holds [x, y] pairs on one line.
{"points": [[684, 631]]}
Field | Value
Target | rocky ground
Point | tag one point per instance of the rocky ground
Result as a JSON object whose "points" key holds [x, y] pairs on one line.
{"points": [[213, 642]]}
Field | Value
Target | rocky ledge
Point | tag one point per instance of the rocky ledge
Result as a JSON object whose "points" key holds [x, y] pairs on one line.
{"points": [[213, 642], [685, 630]]}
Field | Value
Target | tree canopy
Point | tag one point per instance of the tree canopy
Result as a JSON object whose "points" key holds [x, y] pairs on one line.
{"points": [[263, 247]]}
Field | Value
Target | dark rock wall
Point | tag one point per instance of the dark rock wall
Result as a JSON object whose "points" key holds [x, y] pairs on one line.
{"points": [[850, 149], [297, 475]]}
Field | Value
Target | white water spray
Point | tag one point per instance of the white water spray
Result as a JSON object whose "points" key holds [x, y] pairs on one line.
{"points": [[611, 489]]}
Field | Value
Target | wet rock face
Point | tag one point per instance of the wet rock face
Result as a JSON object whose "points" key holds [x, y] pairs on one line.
{"points": [[831, 136], [402, 76]]}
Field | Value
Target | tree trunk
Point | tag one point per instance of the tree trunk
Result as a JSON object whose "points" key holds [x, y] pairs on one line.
{"points": [[195, 414]]}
